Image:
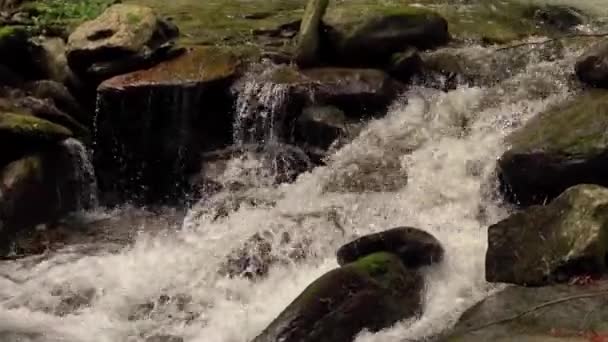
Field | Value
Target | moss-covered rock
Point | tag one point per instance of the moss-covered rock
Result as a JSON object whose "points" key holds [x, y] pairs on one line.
{"points": [[123, 38], [414, 247], [373, 42], [308, 46], [545, 244], [562, 147], [576, 320], [18, 128], [372, 293]]}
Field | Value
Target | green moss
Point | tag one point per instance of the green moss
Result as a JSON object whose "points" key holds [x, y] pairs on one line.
{"points": [[575, 128], [65, 12], [17, 125], [7, 32]]}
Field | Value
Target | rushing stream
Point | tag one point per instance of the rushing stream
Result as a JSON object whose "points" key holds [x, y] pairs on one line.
{"points": [[440, 148]]}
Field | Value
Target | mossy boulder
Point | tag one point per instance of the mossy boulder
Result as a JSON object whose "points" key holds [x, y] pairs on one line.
{"points": [[592, 67], [372, 293], [575, 320], [374, 41], [158, 120], [19, 52], [413, 246], [16, 129], [308, 42], [122, 39], [546, 244], [561, 147]]}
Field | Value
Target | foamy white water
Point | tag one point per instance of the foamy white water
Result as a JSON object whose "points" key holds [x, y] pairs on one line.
{"points": [[169, 284]]}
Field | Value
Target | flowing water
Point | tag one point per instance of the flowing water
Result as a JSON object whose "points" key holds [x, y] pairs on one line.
{"points": [[440, 146]]}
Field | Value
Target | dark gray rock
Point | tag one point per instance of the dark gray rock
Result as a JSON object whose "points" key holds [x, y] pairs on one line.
{"points": [[309, 41], [372, 293], [413, 246], [553, 243], [592, 67]]}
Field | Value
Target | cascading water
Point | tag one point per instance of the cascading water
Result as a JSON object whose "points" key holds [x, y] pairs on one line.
{"points": [[83, 174], [443, 144]]}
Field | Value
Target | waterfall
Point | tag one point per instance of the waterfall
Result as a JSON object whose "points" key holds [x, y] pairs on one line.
{"points": [[83, 176]]}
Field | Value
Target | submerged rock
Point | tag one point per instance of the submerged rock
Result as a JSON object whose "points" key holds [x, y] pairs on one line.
{"points": [[557, 149], [374, 41], [122, 39], [153, 123], [414, 247], [372, 293], [308, 46], [592, 67], [561, 18], [582, 318], [546, 244], [321, 126]]}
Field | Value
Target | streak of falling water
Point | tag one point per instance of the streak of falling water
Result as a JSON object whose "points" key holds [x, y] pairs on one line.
{"points": [[170, 284], [83, 174]]}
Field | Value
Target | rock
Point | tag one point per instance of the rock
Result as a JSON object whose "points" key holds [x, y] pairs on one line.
{"points": [[557, 149], [9, 4], [546, 244], [126, 37], [19, 53], [17, 127], [337, 306], [376, 40], [60, 97], [561, 18], [158, 120], [592, 67], [309, 45], [405, 64], [578, 319], [414, 247], [263, 250], [37, 188], [371, 173], [358, 92], [52, 60], [321, 126]]}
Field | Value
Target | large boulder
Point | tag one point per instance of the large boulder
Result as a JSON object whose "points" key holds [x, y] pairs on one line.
{"points": [[156, 121], [413, 246], [553, 243], [559, 148], [559, 313], [374, 41], [592, 67], [123, 38], [372, 293], [38, 188], [308, 42]]}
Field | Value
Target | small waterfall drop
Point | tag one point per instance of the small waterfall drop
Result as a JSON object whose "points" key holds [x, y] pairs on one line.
{"points": [[83, 176]]}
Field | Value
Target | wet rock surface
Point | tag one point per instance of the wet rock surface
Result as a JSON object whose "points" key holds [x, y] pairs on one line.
{"points": [[559, 148], [336, 306], [592, 67], [557, 313], [414, 247], [554, 243], [157, 120]]}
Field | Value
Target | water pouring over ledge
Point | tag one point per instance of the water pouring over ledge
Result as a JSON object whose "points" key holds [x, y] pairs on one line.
{"points": [[168, 284]]}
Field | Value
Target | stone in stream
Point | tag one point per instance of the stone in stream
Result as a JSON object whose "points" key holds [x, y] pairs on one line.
{"points": [[373, 42], [553, 243], [372, 293], [559, 148], [357, 92], [309, 39], [152, 124], [592, 67], [61, 98], [413, 246], [122, 39], [320, 126], [37, 188], [575, 320]]}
